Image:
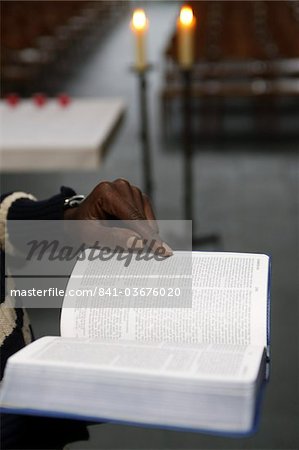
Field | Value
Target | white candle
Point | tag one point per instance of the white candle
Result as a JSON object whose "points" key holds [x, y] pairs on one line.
{"points": [[139, 26], [185, 35]]}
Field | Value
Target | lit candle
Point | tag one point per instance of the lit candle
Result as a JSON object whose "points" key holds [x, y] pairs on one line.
{"points": [[139, 25], [185, 34]]}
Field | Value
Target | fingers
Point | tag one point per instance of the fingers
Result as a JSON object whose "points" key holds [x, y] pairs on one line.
{"points": [[122, 201], [92, 233], [128, 193], [127, 239], [149, 213], [151, 239], [118, 205], [137, 195], [137, 199], [143, 204]]}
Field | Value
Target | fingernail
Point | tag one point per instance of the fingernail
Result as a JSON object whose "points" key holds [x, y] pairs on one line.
{"points": [[168, 250], [134, 243]]}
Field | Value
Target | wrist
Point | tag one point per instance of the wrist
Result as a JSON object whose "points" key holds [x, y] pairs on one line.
{"points": [[71, 206], [71, 213]]}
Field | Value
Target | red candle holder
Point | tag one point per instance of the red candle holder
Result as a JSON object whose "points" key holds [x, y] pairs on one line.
{"points": [[12, 99], [40, 99], [64, 100]]}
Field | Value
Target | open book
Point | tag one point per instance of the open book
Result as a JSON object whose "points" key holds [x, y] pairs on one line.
{"points": [[194, 358]]}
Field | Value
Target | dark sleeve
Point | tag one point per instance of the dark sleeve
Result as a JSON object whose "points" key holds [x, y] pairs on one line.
{"points": [[27, 208], [50, 209]]}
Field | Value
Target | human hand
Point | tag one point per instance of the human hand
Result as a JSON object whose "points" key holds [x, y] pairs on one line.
{"points": [[119, 201]]}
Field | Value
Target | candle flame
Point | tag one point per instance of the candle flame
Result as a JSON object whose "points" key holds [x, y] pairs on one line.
{"points": [[139, 20], [186, 16]]}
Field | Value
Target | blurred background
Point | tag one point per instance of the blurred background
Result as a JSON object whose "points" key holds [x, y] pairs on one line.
{"points": [[244, 130]]}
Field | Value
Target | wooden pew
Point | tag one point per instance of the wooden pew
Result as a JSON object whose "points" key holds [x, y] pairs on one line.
{"points": [[247, 49]]}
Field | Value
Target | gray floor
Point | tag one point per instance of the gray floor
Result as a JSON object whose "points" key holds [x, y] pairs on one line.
{"points": [[248, 193]]}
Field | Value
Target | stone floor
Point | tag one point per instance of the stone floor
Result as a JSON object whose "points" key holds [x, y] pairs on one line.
{"points": [[247, 190]]}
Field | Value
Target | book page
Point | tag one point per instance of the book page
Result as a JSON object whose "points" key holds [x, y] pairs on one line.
{"points": [[202, 386], [230, 294], [228, 302], [204, 362]]}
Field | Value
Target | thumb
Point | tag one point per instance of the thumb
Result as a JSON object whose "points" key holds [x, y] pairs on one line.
{"points": [[91, 233], [126, 239]]}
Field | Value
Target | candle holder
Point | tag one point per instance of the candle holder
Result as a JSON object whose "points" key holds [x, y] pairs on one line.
{"points": [[188, 160], [141, 74]]}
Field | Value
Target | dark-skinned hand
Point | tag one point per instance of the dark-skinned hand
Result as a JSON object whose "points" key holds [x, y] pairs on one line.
{"points": [[123, 202]]}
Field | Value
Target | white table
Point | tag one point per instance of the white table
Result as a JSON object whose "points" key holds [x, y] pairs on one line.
{"points": [[52, 137]]}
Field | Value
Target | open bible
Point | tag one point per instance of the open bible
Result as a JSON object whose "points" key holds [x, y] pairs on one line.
{"points": [[179, 343]]}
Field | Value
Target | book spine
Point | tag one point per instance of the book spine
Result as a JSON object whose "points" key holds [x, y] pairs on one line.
{"points": [[269, 311]]}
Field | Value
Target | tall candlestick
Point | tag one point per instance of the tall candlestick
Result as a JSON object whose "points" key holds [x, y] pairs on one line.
{"points": [[186, 28], [139, 26]]}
